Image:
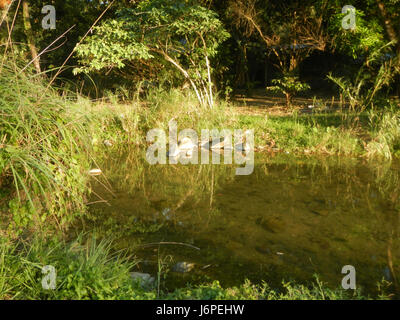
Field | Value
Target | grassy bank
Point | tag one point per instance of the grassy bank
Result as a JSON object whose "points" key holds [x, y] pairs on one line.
{"points": [[373, 134], [90, 270], [44, 153]]}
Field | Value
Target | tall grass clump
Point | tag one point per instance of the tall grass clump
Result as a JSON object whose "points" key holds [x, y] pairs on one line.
{"points": [[182, 105], [385, 141], [126, 123], [44, 153], [83, 270]]}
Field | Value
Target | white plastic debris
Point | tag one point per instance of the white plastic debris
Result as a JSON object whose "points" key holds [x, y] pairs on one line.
{"points": [[95, 172]]}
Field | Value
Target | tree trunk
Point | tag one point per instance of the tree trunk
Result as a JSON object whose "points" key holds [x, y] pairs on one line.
{"points": [[288, 100], [242, 74], [391, 32], [393, 36], [266, 73], [29, 35]]}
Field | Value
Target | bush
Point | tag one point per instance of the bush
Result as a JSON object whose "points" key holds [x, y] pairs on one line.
{"points": [[289, 86]]}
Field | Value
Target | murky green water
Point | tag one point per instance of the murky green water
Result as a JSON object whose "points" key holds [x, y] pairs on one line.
{"points": [[292, 218]]}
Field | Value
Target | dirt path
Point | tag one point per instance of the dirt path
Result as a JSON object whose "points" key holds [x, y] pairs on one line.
{"points": [[260, 103]]}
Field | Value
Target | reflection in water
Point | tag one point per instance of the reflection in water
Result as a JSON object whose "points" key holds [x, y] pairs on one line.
{"points": [[292, 218]]}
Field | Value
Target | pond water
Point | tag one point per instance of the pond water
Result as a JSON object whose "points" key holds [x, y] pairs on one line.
{"points": [[292, 218]]}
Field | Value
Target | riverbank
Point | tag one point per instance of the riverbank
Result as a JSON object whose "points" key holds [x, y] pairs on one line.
{"points": [[89, 270], [50, 142], [372, 134]]}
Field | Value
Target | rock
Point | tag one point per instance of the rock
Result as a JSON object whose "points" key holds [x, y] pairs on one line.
{"points": [[263, 250], [166, 213], [319, 207], [145, 279], [186, 144], [271, 224], [183, 267], [107, 143]]}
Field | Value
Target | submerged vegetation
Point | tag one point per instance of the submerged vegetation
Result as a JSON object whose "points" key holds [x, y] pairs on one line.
{"points": [[186, 61]]}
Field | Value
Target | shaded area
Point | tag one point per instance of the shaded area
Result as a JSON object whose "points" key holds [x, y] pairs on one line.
{"points": [[260, 102]]}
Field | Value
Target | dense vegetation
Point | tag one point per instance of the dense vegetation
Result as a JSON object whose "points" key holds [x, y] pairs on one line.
{"points": [[112, 70]]}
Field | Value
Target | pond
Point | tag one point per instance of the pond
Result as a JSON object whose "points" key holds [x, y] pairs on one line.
{"points": [[292, 218]]}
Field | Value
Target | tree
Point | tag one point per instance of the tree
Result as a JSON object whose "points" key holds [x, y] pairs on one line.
{"points": [[289, 86], [290, 32], [29, 35], [391, 19], [375, 60], [367, 35], [182, 34]]}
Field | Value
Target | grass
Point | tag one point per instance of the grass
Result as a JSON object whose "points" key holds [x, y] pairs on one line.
{"points": [[373, 134], [90, 270], [386, 135], [49, 142], [43, 156], [370, 135], [83, 271]]}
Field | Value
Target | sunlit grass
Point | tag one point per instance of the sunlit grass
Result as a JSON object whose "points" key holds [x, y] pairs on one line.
{"points": [[370, 135], [84, 270], [91, 270], [44, 152]]}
